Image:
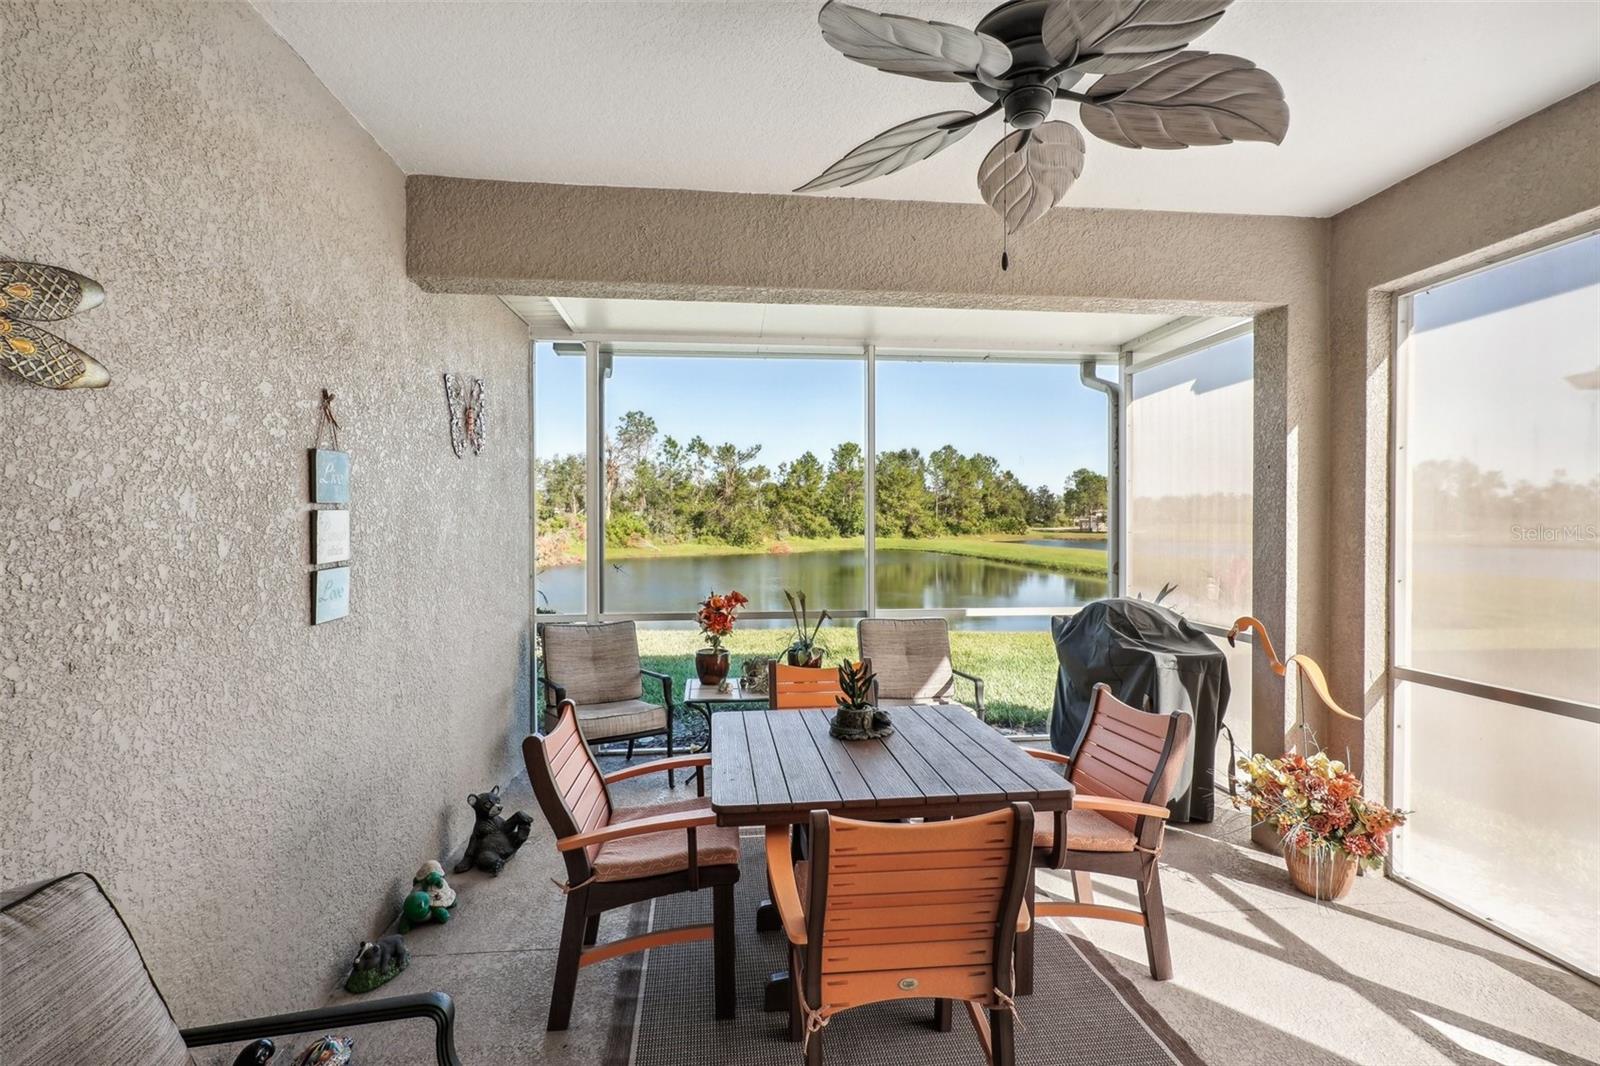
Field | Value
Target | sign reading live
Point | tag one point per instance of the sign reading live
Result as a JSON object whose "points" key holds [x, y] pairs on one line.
{"points": [[330, 476], [330, 594]]}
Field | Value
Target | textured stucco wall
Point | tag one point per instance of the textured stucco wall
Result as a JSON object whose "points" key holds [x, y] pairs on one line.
{"points": [[249, 788], [1528, 184], [505, 237]]}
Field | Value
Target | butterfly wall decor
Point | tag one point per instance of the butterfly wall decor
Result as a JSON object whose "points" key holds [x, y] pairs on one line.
{"points": [[31, 293], [466, 415]]}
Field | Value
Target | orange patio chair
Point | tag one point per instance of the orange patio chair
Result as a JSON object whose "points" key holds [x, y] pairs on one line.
{"points": [[618, 856], [890, 911], [803, 687], [1124, 774]]}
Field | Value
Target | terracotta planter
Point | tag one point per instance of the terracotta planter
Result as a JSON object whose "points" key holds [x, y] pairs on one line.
{"points": [[1325, 875], [711, 665]]}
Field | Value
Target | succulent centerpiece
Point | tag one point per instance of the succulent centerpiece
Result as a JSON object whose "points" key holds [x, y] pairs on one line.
{"points": [[858, 717]]}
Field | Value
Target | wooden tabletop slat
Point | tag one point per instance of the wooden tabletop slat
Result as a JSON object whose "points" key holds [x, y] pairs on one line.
{"points": [[852, 788], [804, 772], [1038, 775], [771, 787], [733, 782], [919, 741], [775, 767]]}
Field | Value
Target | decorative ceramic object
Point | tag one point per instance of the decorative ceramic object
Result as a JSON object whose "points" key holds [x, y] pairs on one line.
{"points": [[711, 665], [857, 718], [327, 1050], [753, 675], [377, 962], [494, 839], [804, 650], [430, 900], [31, 293]]}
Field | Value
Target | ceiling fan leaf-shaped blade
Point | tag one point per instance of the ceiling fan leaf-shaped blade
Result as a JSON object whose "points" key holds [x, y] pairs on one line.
{"points": [[1113, 36], [1029, 171], [917, 48], [1188, 100], [894, 149]]}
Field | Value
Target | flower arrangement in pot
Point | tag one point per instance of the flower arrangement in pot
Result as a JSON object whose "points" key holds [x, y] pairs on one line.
{"points": [[1329, 829], [716, 616], [804, 649], [857, 716]]}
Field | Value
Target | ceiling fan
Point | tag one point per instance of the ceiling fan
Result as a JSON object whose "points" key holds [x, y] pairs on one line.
{"points": [[1151, 92]]}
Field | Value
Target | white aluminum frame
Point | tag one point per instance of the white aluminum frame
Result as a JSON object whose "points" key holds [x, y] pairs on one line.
{"points": [[1399, 610]]}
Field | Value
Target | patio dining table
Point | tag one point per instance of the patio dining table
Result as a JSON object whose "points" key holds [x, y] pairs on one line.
{"points": [[774, 767]]}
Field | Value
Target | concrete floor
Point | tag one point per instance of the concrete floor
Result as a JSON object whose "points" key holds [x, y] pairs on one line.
{"points": [[1264, 974]]}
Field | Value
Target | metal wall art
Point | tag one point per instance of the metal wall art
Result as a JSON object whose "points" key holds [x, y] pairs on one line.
{"points": [[1027, 54], [466, 415], [31, 293]]}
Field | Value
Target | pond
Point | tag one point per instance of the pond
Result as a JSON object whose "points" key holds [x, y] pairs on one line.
{"points": [[833, 579]]}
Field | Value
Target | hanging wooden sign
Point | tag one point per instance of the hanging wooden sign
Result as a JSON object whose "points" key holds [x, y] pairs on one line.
{"points": [[330, 536], [330, 476], [330, 594]]}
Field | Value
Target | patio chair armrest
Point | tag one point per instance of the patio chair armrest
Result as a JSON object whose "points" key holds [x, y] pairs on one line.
{"points": [[553, 693], [1050, 756], [682, 762], [655, 823], [1117, 805], [785, 893], [666, 683], [977, 690], [435, 1006]]}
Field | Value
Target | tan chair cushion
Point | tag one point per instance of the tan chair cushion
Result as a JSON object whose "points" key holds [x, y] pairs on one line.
{"points": [[911, 657], [73, 988], [666, 852], [601, 721], [1086, 831], [594, 662]]}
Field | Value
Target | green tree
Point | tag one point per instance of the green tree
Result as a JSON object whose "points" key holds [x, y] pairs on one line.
{"points": [[844, 491], [1084, 495]]}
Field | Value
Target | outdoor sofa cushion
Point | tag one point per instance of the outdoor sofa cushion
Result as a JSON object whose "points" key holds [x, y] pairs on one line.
{"points": [[595, 662], [911, 657], [73, 988], [666, 852], [1086, 831]]}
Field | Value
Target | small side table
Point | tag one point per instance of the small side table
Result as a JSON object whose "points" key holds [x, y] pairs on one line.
{"points": [[703, 699]]}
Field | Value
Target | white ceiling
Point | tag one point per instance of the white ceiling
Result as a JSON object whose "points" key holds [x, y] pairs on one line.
{"points": [[744, 95], [666, 324]]}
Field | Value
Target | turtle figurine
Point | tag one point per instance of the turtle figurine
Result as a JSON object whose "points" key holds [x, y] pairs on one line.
{"points": [[430, 900]]}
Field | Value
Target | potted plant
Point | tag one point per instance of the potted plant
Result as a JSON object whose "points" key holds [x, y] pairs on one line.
{"points": [[857, 716], [716, 617], [804, 650], [1329, 829]]}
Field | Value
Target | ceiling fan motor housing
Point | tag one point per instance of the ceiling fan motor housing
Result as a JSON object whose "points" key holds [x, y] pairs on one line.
{"points": [[1028, 106]]}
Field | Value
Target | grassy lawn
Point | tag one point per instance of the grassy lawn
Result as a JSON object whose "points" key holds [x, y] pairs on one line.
{"points": [[1004, 548], [1018, 669]]}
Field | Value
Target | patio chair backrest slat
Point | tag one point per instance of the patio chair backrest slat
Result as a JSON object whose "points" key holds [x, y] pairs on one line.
{"points": [[1129, 754]]}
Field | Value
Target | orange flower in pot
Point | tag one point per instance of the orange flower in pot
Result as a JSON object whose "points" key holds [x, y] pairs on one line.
{"points": [[716, 617]]}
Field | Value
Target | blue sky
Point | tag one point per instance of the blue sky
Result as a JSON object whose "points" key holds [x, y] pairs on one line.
{"points": [[1038, 420]]}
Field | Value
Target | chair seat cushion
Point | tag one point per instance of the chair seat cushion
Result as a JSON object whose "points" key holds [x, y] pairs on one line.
{"points": [[74, 989], [666, 852], [1086, 831], [601, 721]]}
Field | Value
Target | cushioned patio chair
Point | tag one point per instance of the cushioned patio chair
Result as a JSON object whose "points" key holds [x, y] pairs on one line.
{"points": [[596, 666], [1124, 774], [912, 658], [795, 688], [923, 911], [617, 856], [75, 991]]}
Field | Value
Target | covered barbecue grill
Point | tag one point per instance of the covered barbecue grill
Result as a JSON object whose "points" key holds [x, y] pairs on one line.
{"points": [[1152, 658]]}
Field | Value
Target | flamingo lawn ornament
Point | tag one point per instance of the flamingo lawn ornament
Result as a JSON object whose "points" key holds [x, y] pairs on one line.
{"points": [[1309, 671]]}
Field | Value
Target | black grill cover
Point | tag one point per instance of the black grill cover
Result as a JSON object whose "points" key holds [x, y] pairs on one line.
{"points": [[1151, 658]]}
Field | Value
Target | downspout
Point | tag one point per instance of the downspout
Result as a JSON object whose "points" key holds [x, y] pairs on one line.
{"points": [[1113, 391]]}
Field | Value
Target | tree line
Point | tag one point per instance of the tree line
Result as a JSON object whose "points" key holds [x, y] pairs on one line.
{"points": [[657, 487]]}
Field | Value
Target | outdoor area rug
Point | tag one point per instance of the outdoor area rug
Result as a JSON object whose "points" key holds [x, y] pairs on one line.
{"points": [[1082, 1013]]}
